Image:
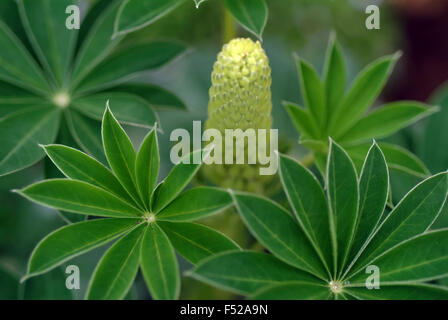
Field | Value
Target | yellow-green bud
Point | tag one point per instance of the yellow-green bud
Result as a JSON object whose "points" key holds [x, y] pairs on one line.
{"points": [[240, 98]]}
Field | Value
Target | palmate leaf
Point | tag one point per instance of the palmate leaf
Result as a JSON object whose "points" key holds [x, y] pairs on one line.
{"points": [[92, 189], [68, 76], [331, 111], [400, 245]]}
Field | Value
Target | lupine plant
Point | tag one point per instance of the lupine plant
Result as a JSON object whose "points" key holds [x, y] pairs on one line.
{"points": [[151, 220], [327, 247], [53, 77], [343, 114]]}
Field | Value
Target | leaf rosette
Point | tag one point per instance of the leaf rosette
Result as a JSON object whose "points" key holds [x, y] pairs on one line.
{"points": [[150, 219]]}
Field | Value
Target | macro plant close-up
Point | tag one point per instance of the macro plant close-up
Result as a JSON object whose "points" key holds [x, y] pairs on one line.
{"points": [[225, 150]]}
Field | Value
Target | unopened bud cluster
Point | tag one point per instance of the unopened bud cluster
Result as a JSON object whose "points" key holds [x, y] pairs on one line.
{"points": [[240, 98]]}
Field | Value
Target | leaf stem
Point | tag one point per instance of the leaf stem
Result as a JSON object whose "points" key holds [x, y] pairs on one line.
{"points": [[229, 27]]}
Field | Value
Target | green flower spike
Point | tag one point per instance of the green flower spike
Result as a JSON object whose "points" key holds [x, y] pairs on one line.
{"points": [[240, 98]]}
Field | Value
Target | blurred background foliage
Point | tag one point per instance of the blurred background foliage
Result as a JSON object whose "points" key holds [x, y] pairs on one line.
{"points": [[418, 27]]}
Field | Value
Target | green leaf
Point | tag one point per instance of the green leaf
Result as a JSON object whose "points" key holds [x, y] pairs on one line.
{"points": [[120, 153], [335, 76], [251, 14], [277, 230], [147, 166], [397, 158], [116, 271], [157, 97], [343, 196], [95, 9], [401, 292], [195, 204], [432, 147], [137, 14], [364, 91], [422, 258], [178, 179], [302, 120], [127, 108], [10, 93], [293, 291], [129, 62], [76, 165], [87, 133], [20, 133], [78, 197], [313, 91], [387, 120], [51, 39], [196, 242], [373, 194], [307, 199], [97, 44], [159, 264], [9, 14], [412, 216], [16, 64], [73, 240], [245, 272]]}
